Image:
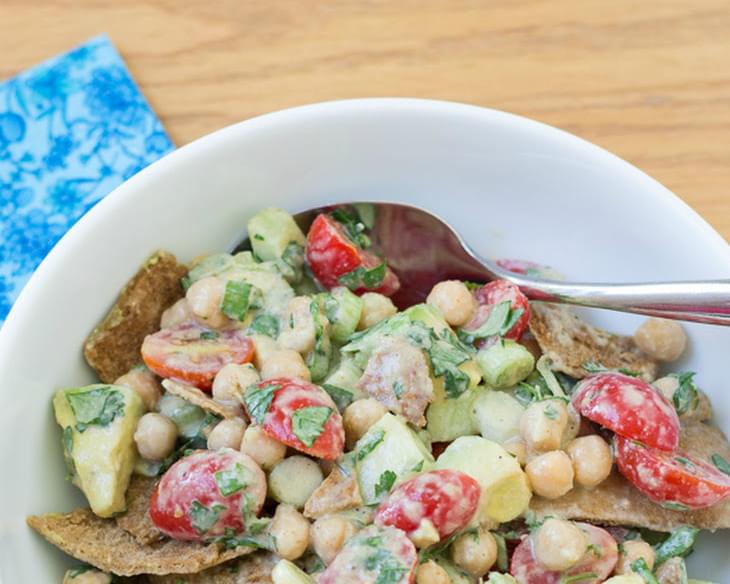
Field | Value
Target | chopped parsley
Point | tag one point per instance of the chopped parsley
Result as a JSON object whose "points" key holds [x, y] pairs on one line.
{"points": [[721, 464], [369, 443], [258, 400], [236, 299], [686, 397], [265, 324], [232, 480], [354, 227], [308, 423], [440, 549], [363, 278], [389, 569], [499, 322], [642, 569], [679, 543], [398, 389], [209, 335], [342, 397], [385, 483], [203, 518], [593, 367], [97, 407]]}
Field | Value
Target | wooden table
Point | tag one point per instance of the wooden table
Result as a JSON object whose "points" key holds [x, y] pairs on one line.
{"points": [[649, 80]]}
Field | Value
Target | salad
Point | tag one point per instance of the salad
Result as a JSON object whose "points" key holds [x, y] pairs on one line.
{"points": [[272, 416]]}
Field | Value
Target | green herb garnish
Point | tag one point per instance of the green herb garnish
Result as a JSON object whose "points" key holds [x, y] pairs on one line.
{"points": [[258, 400], [370, 443], [236, 300], [721, 464], [342, 397], [686, 397], [232, 480], [499, 322], [642, 569], [308, 423], [265, 324], [363, 278], [209, 335], [203, 518], [354, 227], [679, 543], [385, 483], [97, 407]]}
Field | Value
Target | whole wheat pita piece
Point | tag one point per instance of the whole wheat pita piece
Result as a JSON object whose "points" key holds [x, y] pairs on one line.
{"points": [[196, 397], [106, 546], [570, 343], [617, 502], [136, 520], [338, 492], [113, 347], [253, 569]]}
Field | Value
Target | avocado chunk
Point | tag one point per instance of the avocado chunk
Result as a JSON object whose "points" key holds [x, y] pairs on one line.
{"points": [[98, 424]]}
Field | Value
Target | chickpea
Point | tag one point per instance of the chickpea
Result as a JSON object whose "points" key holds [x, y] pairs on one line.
{"points": [[632, 550], [592, 460], [543, 424], [204, 298], [431, 573], [359, 416], [475, 553], [290, 531], [329, 534], [263, 347], [227, 434], [299, 331], [661, 339], [454, 301], [177, 314], [144, 382], [667, 386], [518, 449], [266, 451], [232, 380], [155, 436], [285, 363], [294, 492], [86, 577], [550, 474], [375, 307], [559, 545]]}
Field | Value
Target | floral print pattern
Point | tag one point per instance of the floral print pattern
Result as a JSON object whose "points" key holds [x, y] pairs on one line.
{"points": [[71, 130]]}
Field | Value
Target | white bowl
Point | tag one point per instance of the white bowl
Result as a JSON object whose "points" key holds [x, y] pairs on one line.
{"points": [[513, 187]]}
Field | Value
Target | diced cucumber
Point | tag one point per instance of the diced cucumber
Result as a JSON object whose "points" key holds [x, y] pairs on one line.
{"points": [[276, 237], [285, 572], [345, 377], [505, 490], [389, 445], [343, 309], [505, 363], [318, 359], [428, 315], [448, 419], [497, 415], [188, 418], [497, 578]]}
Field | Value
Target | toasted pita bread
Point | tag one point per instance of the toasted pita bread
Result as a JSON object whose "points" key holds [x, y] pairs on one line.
{"points": [[253, 569], [338, 492], [571, 343], [617, 502], [198, 398], [112, 348], [108, 547], [136, 520]]}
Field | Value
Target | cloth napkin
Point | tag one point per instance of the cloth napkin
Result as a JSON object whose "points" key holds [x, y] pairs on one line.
{"points": [[71, 130]]}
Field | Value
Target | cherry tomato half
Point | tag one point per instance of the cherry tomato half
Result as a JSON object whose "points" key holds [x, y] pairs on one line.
{"points": [[630, 407], [496, 292], [299, 414], [446, 498], [207, 492], [193, 354], [600, 558], [673, 479], [331, 255]]}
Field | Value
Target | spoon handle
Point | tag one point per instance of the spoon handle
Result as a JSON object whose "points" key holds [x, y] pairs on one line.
{"points": [[699, 301]]}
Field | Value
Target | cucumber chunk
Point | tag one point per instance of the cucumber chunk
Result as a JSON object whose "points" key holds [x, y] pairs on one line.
{"points": [[448, 419], [276, 237], [343, 309], [505, 363]]}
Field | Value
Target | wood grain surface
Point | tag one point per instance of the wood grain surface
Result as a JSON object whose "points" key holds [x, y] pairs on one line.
{"points": [[649, 81]]}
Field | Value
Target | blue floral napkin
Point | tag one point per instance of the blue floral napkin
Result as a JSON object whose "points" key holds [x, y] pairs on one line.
{"points": [[71, 130]]}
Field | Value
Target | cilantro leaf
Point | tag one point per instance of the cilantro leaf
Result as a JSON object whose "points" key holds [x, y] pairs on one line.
{"points": [[363, 278], [594, 367], [721, 464], [499, 322], [265, 324], [642, 569], [370, 443], [308, 423], [97, 407], [385, 483], [236, 299], [398, 389], [566, 579], [203, 518], [685, 397], [258, 400], [354, 228], [209, 335], [232, 480], [342, 397]]}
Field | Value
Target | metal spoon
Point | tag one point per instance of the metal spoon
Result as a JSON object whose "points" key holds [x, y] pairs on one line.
{"points": [[423, 249]]}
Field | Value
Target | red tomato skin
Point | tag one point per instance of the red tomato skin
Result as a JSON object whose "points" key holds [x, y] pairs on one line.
{"points": [[192, 478], [522, 267], [661, 476], [447, 498], [292, 395], [493, 293], [331, 254], [630, 407], [179, 353], [527, 570]]}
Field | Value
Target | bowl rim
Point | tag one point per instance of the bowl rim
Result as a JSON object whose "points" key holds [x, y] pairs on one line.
{"points": [[712, 241]]}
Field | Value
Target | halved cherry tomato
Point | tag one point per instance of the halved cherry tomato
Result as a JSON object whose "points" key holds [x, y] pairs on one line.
{"points": [[376, 555], [445, 498], [496, 292], [331, 254], [299, 414], [206, 493], [672, 479], [191, 353], [630, 407], [600, 558]]}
